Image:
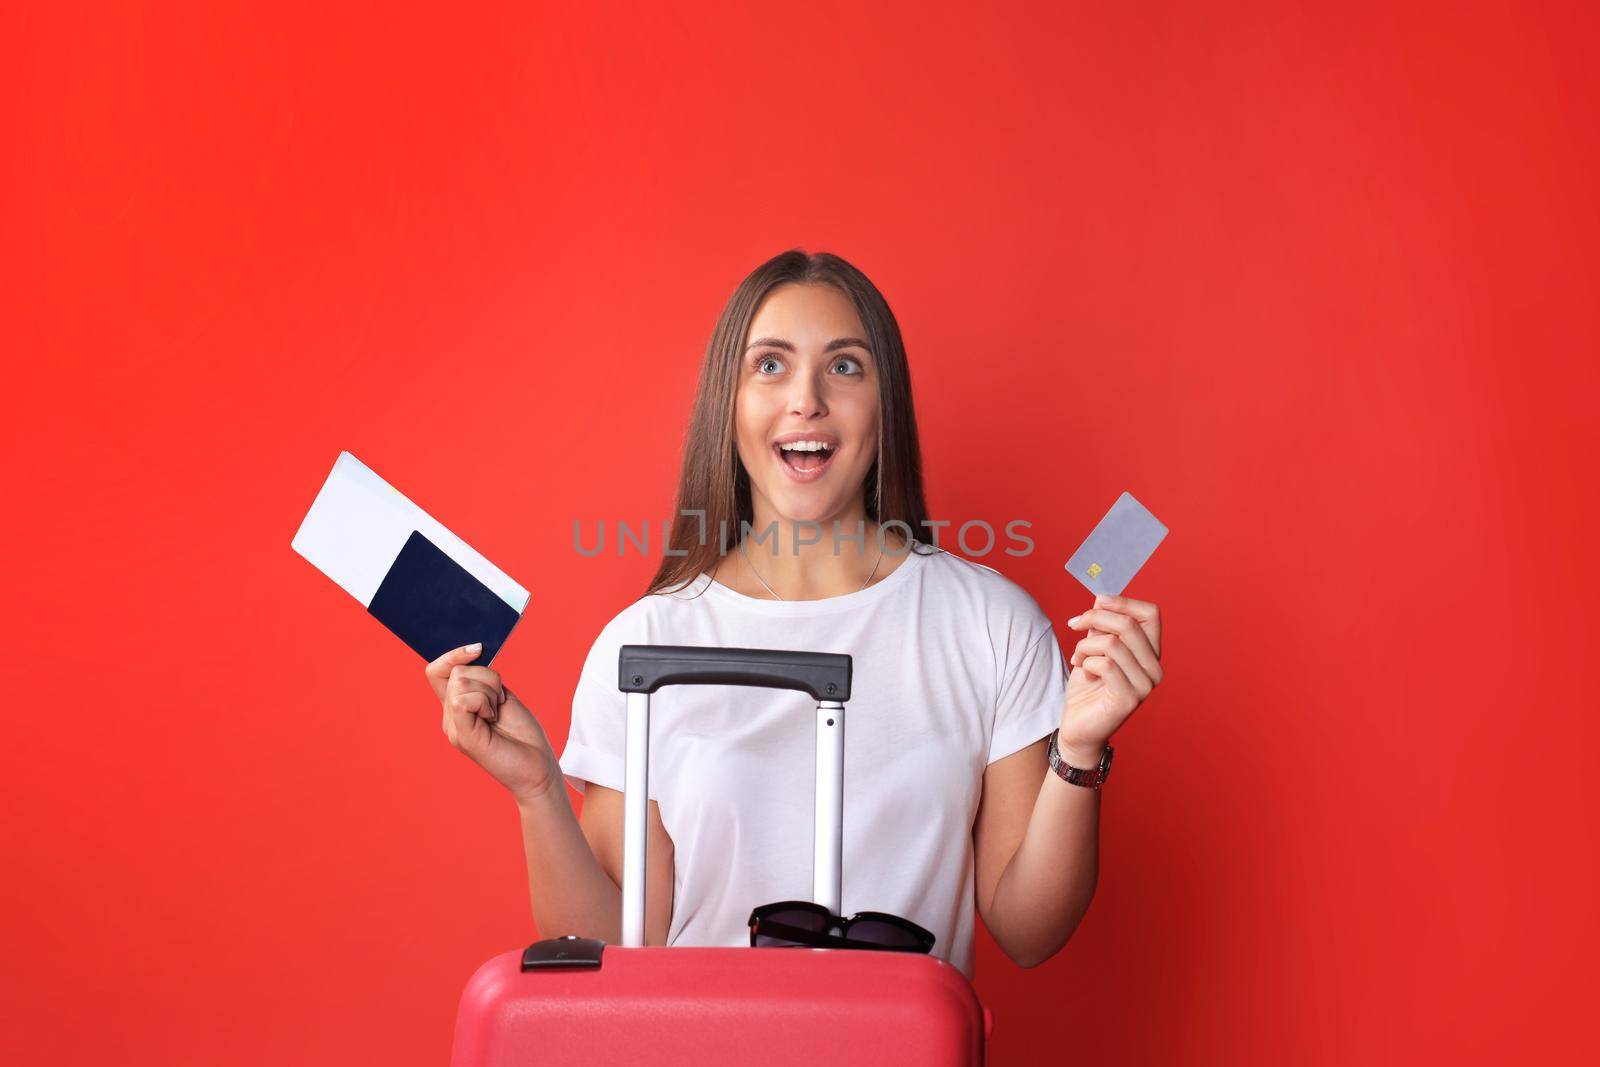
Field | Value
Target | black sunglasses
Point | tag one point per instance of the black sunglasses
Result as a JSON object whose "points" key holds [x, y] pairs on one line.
{"points": [[796, 923]]}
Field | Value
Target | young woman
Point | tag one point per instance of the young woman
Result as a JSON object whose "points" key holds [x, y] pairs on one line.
{"points": [[800, 505]]}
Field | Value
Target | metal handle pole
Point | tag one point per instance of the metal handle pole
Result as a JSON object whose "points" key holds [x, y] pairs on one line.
{"points": [[827, 879], [634, 819]]}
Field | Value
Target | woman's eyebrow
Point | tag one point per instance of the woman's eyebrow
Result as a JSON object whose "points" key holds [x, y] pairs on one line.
{"points": [[837, 342]]}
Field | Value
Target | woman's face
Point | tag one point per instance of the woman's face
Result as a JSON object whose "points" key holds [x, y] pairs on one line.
{"points": [[807, 375]]}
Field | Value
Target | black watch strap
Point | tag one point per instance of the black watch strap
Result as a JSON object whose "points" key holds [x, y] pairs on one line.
{"points": [[1091, 779]]}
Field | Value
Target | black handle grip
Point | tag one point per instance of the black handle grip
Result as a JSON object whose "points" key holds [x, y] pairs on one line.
{"points": [[646, 668]]}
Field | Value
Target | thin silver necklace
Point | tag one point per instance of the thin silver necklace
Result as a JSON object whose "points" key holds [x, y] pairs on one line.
{"points": [[774, 593]]}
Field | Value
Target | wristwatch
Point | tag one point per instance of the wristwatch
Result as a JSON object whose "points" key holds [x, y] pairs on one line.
{"points": [[1076, 775]]}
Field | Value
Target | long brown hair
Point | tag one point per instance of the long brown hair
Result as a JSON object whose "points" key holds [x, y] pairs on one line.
{"points": [[713, 480]]}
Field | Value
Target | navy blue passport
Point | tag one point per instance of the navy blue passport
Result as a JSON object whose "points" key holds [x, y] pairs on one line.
{"points": [[433, 604]]}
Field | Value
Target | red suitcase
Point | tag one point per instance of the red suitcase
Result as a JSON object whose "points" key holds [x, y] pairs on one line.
{"points": [[574, 1000]]}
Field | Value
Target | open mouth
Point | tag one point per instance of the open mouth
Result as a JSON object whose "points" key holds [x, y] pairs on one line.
{"points": [[805, 458]]}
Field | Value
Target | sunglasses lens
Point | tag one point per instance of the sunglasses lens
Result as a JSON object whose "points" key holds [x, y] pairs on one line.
{"points": [[784, 926], [887, 934]]}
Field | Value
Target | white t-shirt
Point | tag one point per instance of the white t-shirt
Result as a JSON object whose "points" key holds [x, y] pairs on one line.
{"points": [[954, 667]]}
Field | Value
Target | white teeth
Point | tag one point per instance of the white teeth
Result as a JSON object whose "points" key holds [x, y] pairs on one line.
{"points": [[803, 446]]}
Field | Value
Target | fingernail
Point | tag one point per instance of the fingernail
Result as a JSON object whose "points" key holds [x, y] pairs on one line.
{"points": [[474, 647]]}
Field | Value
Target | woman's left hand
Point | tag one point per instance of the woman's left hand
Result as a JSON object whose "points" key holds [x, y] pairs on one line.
{"points": [[1115, 667]]}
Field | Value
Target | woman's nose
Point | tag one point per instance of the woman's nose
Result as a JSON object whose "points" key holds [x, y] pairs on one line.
{"points": [[806, 400]]}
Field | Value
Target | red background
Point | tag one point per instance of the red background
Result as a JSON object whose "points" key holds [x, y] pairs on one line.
{"points": [[1316, 287]]}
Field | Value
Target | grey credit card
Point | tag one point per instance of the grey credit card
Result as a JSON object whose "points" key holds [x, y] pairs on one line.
{"points": [[1117, 547]]}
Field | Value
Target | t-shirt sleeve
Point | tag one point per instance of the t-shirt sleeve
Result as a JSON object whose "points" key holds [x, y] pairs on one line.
{"points": [[596, 743], [1033, 689], [597, 737]]}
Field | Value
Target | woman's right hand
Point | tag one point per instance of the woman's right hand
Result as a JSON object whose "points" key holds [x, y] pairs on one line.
{"points": [[486, 721]]}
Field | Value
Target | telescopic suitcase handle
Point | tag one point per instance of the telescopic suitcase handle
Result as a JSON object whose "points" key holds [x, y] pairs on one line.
{"points": [[646, 668], [642, 669]]}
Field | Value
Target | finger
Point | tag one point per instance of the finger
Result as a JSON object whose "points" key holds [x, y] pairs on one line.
{"points": [[1089, 646], [1124, 697], [1112, 645], [1143, 610], [1132, 669], [485, 700], [438, 672], [1128, 629], [487, 675], [479, 702], [1148, 615], [451, 733], [517, 722], [466, 728], [1098, 666], [464, 677]]}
